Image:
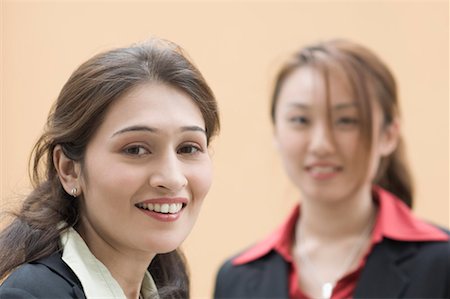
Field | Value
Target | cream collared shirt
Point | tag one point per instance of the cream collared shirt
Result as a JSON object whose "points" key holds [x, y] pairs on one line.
{"points": [[95, 278]]}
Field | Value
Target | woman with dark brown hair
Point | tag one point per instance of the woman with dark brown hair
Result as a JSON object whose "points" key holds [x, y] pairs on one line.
{"points": [[336, 124], [119, 176]]}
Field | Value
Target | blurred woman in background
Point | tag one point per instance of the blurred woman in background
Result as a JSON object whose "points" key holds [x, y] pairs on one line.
{"points": [[336, 124]]}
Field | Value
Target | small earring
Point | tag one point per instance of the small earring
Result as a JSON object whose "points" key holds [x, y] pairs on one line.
{"points": [[74, 192]]}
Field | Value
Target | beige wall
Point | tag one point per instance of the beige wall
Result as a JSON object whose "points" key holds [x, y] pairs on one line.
{"points": [[237, 46]]}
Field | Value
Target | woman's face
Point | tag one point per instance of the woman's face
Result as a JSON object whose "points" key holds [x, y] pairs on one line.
{"points": [[146, 172], [321, 143]]}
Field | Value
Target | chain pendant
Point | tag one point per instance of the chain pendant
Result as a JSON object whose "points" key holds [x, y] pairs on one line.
{"points": [[327, 290]]}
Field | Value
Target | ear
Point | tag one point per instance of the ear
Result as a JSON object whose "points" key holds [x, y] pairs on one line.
{"points": [[68, 172], [389, 138]]}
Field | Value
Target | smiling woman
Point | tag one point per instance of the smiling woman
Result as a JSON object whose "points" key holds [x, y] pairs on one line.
{"points": [[127, 168], [336, 124]]}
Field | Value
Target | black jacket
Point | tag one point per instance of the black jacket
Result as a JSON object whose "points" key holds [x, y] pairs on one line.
{"points": [[394, 269], [48, 278]]}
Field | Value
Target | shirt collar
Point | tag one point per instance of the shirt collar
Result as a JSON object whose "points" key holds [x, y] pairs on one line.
{"points": [[394, 221], [280, 240], [95, 278]]}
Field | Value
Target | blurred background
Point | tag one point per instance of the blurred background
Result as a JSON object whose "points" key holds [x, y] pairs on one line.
{"points": [[238, 46]]}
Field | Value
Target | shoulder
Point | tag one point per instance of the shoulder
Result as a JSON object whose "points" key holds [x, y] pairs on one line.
{"points": [[438, 248], [420, 258], [436, 251], [49, 277], [406, 269], [424, 253], [234, 266], [260, 277]]}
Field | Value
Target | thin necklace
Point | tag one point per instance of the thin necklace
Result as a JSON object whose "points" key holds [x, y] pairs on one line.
{"points": [[328, 286]]}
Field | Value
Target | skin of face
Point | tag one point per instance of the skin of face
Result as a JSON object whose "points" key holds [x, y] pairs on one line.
{"points": [[320, 143], [151, 147]]}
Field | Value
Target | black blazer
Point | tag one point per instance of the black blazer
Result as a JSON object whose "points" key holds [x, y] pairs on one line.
{"points": [[48, 278], [393, 269]]}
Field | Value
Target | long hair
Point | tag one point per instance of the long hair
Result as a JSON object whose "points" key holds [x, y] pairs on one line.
{"points": [[76, 115], [370, 80]]}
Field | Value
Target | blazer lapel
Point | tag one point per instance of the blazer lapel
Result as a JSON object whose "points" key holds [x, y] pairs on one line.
{"points": [[383, 276], [57, 265], [270, 278]]}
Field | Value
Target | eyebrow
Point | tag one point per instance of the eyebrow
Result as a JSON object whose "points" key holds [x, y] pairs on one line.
{"points": [[155, 130], [299, 105], [336, 107], [193, 128], [345, 106]]}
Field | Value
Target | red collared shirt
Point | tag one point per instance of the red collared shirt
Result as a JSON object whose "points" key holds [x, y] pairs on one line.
{"points": [[394, 221]]}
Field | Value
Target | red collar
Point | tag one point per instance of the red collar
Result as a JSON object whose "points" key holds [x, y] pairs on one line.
{"points": [[394, 221], [397, 222]]}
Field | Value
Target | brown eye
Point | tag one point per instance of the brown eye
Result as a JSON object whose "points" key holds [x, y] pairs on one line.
{"points": [[300, 119], [347, 122], [136, 150], [189, 149]]}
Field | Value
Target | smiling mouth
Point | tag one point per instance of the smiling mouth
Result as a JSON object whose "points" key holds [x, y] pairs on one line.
{"points": [[165, 208], [323, 172], [318, 170]]}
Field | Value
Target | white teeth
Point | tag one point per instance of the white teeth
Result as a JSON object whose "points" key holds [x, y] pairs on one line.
{"points": [[322, 169], [164, 208], [173, 208]]}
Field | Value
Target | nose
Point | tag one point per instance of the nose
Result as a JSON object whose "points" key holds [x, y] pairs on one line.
{"points": [[322, 142], [167, 174]]}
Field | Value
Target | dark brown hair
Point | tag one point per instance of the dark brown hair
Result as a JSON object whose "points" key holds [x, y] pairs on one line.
{"points": [[370, 80], [74, 118]]}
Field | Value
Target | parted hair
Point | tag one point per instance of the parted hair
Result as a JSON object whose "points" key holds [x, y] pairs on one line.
{"points": [[370, 81]]}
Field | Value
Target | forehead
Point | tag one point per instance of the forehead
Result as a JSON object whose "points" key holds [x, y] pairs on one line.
{"points": [[153, 104], [315, 84]]}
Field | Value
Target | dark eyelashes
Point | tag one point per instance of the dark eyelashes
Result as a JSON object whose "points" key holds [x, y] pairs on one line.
{"points": [[299, 119], [140, 150], [348, 120], [190, 149], [136, 150], [303, 120]]}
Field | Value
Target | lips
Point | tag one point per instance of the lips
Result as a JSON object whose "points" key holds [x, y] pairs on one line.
{"points": [[323, 170], [163, 209]]}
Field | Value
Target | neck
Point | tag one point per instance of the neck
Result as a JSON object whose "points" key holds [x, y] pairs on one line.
{"points": [[129, 273], [127, 268], [330, 239], [344, 218]]}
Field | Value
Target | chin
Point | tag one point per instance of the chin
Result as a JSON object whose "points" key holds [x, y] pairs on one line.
{"points": [[165, 245], [167, 249]]}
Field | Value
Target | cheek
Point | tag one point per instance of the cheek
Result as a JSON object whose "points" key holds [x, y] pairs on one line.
{"points": [[359, 159], [107, 176], [115, 179], [350, 147], [291, 145], [200, 179]]}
